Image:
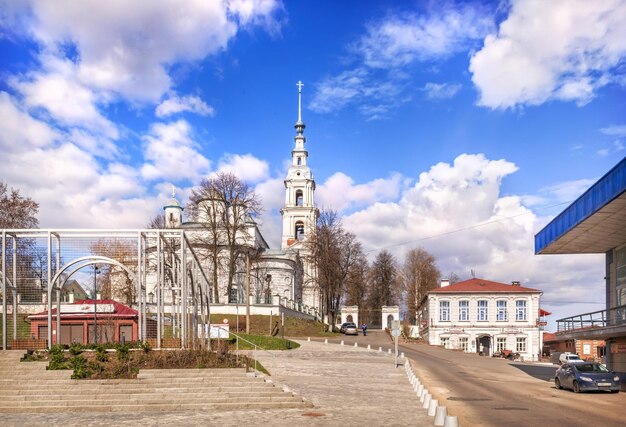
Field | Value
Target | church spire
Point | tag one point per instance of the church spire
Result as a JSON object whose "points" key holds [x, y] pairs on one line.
{"points": [[300, 124]]}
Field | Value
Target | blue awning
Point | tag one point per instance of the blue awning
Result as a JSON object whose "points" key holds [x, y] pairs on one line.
{"points": [[594, 223]]}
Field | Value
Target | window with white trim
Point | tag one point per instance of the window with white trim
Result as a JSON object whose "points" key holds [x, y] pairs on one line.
{"points": [[520, 344], [501, 315], [445, 342], [520, 310], [463, 311], [482, 311], [444, 311], [500, 343]]}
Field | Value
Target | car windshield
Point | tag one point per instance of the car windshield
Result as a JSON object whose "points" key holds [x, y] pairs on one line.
{"points": [[350, 325], [590, 367], [573, 357]]}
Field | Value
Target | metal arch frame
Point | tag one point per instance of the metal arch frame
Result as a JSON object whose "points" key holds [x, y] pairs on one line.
{"points": [[86, 261]]}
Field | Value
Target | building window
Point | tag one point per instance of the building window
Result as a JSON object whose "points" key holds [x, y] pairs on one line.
{"points": [[520, 346], [482, 311], [520, 310], [463, 343], [445, 342], [463, 311], [501, 314], [500, 344], [299, 230], [299, 161], [444, 311], [299, 198]]}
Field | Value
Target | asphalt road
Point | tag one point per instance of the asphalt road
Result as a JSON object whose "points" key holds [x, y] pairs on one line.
{"points": [[486, 391]]}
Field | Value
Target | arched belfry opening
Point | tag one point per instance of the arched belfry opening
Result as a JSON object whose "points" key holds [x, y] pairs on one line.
{"points": [[299, 230], [299, 198]]}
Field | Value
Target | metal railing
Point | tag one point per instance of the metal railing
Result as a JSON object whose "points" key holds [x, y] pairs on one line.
{"points": [[595, 320], [253, 351]]}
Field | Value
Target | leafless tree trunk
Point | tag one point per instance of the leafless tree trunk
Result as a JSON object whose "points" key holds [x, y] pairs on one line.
{"points": [[420, 275], [384, 281]]}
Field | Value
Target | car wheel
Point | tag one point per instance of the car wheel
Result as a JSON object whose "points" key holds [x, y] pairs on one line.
{"points": [[557, 383], [614, 391], [576, 387]]}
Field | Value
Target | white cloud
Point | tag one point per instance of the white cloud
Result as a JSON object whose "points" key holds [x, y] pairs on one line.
{"points": [[170, 152], [19, 131], [562, 50], [339, 191], [402, 39], [616, 130], [126, 48], [175, 104], [246, 167], [457, 212], [441, 90]]}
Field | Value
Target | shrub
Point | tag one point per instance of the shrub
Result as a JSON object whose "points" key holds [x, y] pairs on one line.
{"points": [[123, 353], [75, 349], [101, 354], [145, 346]]}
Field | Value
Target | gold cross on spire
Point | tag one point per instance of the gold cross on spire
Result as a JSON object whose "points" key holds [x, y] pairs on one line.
{"points": [[299, 84]]}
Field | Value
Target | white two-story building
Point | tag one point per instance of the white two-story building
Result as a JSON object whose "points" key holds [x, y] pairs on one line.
{"points": [[482, 316]]}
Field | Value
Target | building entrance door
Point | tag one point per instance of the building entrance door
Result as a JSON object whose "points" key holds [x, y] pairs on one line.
{"points": [[483, 345]]}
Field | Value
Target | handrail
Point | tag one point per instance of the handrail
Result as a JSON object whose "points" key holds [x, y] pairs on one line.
{"points": [[251, 343], [595, 319]]}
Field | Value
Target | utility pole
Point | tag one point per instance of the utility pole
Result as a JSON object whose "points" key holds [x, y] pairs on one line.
{"points": [[247, 292], [95, 304]]}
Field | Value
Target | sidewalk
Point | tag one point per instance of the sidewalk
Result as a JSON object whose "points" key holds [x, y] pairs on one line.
{"points": [[348, 386]]}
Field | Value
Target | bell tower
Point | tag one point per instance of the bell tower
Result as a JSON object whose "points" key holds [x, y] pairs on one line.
{"points": [[299, 213]]}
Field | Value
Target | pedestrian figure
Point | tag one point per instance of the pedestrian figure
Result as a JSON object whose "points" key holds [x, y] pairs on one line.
{"points": [[364, 327]]}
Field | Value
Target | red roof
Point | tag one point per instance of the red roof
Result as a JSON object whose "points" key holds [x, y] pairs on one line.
{"points": [[549, 336], [482, 286], [119, 310]]}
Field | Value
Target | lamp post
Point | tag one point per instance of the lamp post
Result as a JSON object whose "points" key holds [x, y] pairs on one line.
{"points": [[95, 304]]}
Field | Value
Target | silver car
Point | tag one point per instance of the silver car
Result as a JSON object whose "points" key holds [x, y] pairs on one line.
{"points": [[351, 329]]}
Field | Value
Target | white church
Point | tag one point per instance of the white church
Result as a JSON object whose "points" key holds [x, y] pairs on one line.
{"points": [[277, 277]]}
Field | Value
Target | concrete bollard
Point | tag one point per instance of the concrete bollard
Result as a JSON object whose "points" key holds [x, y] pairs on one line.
{"points": [[389, 351], [440, 415], [369, 347], [420, 390], [380, 349], [341, 342], [432, 407], [427, 398], [402, 355], [326, 341], [356, 344], [308, 339], [451, 421]]}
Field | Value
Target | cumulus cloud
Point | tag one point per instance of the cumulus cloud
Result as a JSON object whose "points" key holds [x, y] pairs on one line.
{"points": [[457, 212], [562, 50], [171, 153], [175, 105], [339, 192], [19, 131], [246, 167], [441, 90], [616, 130]]}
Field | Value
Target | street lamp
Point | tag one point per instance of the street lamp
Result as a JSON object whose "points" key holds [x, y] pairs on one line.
{"points": [[95, 304]]}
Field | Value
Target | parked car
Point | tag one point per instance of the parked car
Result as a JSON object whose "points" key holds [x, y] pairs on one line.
{"points": [[351, 329], [586, 376], [569, 358], [342, 328]]}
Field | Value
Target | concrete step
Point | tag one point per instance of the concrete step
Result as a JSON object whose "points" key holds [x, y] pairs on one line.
{"points": [[250, 394], [162, 407], [131, 390], [130, 384]]}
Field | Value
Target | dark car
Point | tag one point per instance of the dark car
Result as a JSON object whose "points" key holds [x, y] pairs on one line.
{"points": [[586, 376]]}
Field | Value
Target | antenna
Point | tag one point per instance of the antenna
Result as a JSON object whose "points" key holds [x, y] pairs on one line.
{"points": [[472, 273]]}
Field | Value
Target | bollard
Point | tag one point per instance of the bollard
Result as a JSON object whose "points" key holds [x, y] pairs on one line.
{"points": [[427, 398], [389, 351], [380, 349], [341, 342], [451, 421], [356, 344], [440, 415], [432, 407], [326, 341], [308, 339], [369, 347], [420, 390], [402, 355]]}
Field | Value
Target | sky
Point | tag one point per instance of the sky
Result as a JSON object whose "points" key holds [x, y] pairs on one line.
{"points": [[459, 127]]}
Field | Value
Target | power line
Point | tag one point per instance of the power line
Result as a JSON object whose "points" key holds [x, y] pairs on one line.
{"points": [[470, 227]]}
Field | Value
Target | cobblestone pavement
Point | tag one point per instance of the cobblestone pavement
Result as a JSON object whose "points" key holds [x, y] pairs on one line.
{"points": [[348, 386]]}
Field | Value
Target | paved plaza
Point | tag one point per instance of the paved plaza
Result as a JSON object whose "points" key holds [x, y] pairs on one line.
{"points": [[347, 385]]}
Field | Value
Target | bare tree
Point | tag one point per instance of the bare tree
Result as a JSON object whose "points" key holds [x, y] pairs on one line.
{"points": [[114, 282], [17, 211], [158, 222], [223, 205], [420, 275], [384, 281], [334, 252], [453, 278], [356, 282]]}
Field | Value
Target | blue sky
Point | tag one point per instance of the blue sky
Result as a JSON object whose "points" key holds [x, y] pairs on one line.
{"points": [[423, 118]]}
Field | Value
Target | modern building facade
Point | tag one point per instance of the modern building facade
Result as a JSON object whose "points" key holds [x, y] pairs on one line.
{"points": [[596, 223], [482, 316]]}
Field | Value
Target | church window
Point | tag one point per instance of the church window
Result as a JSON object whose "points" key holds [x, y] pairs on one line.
{"points": [[299, 161], [299, 230], [299, 198]]}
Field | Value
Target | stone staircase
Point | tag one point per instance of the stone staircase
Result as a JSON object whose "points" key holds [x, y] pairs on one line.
{"points": [[27, 387]]}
